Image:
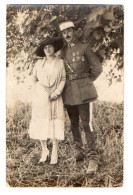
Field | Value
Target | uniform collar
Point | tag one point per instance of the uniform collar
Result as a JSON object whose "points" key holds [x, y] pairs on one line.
{"points": [[71, 44]]}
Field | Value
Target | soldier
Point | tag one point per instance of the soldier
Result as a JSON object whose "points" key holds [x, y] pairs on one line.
{"points": [[82, 68]]}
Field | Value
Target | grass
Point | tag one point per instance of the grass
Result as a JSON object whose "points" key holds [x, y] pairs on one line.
{"points": [[23, 153]]}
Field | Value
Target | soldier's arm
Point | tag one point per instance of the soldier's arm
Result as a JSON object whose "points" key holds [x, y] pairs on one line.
{"points": [[96, 66]]}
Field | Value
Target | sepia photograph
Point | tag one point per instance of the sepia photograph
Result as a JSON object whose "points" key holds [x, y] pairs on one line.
{"points": [[64, 95]]}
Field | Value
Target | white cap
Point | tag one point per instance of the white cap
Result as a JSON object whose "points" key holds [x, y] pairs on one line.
{"points": [[65, 25]]}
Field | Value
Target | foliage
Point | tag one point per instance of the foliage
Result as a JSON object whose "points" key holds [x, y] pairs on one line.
{"points": [[23, 153], [101, 25]]}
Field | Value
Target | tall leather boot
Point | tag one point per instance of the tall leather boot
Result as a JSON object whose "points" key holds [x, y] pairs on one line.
{"points": [[92, 155], [78, 143]]}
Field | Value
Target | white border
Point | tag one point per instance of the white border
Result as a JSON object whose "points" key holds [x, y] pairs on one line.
{"points": [[128, 98]]}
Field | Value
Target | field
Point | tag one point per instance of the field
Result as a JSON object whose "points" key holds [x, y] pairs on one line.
{"points": [[23, 153]]}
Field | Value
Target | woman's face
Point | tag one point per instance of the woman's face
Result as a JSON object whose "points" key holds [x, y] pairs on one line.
{"points": [[49, 50]]}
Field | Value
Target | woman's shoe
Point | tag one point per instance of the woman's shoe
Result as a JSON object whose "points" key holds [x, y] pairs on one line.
{"points": [[44, 156]]}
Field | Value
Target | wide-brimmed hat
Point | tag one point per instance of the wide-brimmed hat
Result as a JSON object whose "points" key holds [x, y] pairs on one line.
{"points": [[65, 25], [57, 42]]}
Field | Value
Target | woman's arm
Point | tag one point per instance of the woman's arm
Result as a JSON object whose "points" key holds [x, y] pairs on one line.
{"points": [[61, 85], [34, 75]]}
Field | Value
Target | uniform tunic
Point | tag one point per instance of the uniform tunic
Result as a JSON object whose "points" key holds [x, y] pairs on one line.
{"points": [[47, 116], [80, 59]]}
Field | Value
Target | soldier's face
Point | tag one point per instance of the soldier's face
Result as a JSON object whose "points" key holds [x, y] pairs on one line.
{"points": [[68, 34]]}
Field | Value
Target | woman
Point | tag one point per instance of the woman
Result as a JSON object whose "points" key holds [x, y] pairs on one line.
{"points": [[47, 107]]}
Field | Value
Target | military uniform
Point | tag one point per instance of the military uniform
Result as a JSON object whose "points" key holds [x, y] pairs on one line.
{"points": [[82, 68]]}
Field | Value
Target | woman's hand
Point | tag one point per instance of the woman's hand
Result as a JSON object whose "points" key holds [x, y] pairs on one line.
{"points": [[52, 96]]}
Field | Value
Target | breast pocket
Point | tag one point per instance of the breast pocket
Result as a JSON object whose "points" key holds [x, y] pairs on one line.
{"points": [[87, 91]]}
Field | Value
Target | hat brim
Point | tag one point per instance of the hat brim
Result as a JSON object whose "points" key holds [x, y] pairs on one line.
{"points": [[57, 42]]}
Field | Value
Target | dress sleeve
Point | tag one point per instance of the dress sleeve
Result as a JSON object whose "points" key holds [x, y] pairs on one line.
{"points": [[96, 66], [34, 73], [60, 87]]}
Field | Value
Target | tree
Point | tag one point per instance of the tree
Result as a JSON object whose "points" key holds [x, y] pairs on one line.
{"points": [[100, 25]]}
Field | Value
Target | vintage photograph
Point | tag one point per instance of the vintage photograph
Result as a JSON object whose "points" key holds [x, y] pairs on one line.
{"points": [[64, 95]]}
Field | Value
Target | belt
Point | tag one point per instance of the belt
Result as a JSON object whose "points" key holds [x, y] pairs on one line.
{"points": [[75, 76]]}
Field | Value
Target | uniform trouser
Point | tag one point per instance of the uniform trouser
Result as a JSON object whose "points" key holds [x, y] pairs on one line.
{"points": [[82, 111]]}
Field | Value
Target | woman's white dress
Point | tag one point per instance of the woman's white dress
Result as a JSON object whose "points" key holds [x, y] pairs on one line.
{"points": [[47, 116]]}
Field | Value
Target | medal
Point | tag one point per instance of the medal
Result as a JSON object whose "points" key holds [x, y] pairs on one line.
{"points": [[73, 60], [73, 54], [83, 59], [78, 57]]}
